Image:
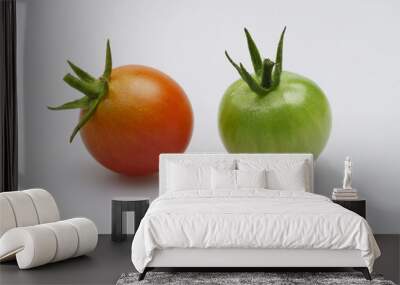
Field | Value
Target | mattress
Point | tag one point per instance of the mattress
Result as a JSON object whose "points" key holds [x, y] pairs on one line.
{"points": [[250, 219]]}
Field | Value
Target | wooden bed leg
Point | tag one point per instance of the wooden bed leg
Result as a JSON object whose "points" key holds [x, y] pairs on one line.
{"points": [[364, 271], [143, 274]]}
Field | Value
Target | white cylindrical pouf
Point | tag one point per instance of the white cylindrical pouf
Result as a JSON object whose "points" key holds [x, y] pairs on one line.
{"points": [[67, 240], [37, 245], [23, 208], [33, 246], [45, 205], [7, 218], [87, 232]]}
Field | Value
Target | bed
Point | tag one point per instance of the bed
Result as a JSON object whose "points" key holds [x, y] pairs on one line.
{"points": [[245, 211]]}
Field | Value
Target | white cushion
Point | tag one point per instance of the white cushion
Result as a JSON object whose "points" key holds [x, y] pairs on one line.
{"points": [[7, 220], [193, 174], [87, 233], [227, 179], [67, 237], [223, 179], [281, 174], [27, 208], [45, 205], [23, 208], [32, 246], [188, 177], [251, 178]]}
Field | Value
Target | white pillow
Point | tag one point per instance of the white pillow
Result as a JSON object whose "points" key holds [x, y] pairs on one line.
{"points": [[227, 179], [223, 179], [193, 173], [187, 177], [251, 178], [293, 179], [281, 174]]}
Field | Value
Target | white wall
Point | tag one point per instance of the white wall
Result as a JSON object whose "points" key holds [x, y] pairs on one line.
{"points": [[351, 48]]}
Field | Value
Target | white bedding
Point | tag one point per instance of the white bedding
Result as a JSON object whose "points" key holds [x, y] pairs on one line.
{"points": [[251, 218]]}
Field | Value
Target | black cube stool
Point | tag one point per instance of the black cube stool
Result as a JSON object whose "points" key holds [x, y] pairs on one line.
{"points": [[119, 205]]}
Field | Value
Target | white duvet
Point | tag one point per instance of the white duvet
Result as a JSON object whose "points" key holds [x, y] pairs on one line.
{"points": [[252, 218]]}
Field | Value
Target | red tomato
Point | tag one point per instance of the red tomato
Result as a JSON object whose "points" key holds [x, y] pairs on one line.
{"points": [[144, 114], [129, 116]]}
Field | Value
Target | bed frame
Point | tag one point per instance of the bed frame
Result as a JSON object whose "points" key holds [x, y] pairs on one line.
{"points": [[236, 259]]}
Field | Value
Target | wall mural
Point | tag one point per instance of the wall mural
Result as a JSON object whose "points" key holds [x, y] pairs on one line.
{"points": [[129, 116], [132, 113]]}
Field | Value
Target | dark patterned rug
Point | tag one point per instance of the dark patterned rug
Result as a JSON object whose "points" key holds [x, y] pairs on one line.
{"points": [[231, 278]]}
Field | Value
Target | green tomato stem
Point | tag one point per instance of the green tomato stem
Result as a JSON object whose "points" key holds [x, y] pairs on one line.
{"points": [[86, 117], [88, 88], [254, 54], [108, 65], [278, 61], [94, 89], [82, 103], [267, 73], [81, 73], [266, 76]]}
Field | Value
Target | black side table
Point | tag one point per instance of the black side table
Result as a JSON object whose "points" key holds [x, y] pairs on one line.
{"points": [[357, 206], [119, 205]]}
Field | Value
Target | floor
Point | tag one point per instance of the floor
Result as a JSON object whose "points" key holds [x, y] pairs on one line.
{"points": [[110, 260]]}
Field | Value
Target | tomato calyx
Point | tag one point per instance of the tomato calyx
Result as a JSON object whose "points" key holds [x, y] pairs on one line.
{"points": [[267, 73], [94, 90]]}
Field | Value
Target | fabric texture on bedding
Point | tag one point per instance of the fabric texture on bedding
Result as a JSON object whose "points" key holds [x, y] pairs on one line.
{"points": [[250, 218]]}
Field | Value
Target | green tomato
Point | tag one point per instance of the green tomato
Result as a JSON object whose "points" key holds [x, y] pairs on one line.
{"points": [[293, 118], [291, 115]]}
